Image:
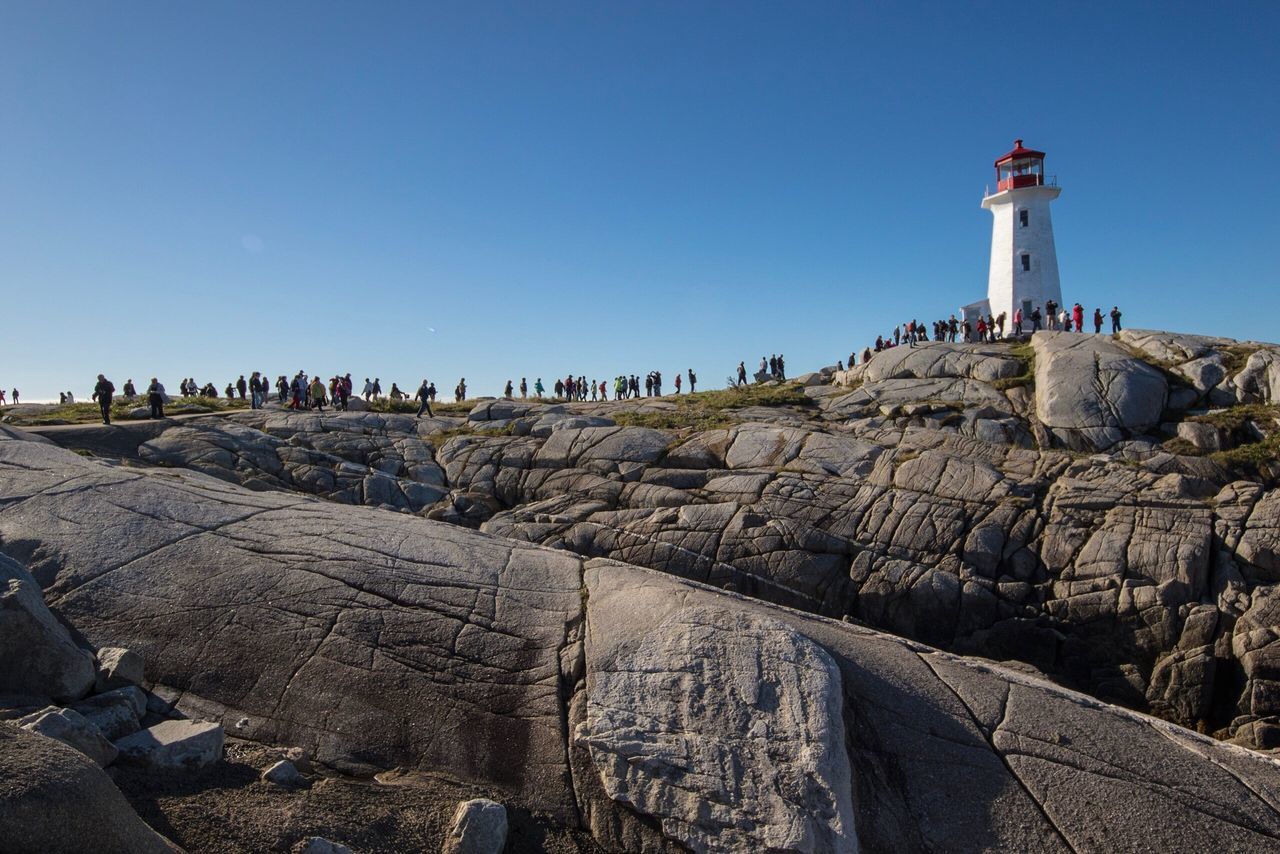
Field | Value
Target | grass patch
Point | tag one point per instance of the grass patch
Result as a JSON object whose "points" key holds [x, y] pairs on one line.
{"points": [[786, 394], [1181, 447], [1026, 354], [712, 410], [89, 413], [1257, 458], [1235, 418], [678, 420], [1236, 356], [386, 404]]}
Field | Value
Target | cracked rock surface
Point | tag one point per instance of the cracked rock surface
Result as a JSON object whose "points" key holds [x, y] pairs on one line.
{"points": [[931, 501], [657, 712]]}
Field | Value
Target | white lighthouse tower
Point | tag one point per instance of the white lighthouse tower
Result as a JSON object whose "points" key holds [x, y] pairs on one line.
{"points": [[1024, 262]]}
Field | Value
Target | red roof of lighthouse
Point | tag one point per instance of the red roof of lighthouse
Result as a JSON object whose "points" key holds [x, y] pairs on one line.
{"points": [[1018, 151]]}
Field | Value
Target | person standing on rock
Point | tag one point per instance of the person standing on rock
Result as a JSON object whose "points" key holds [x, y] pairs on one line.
{"points": [[129, 391], [102, 393], [742, 374], [508, 391], [255, 391], [1035, 319], [368, 390], [538, 388], [1115, 319], [524, 388], [1097, 321], [155, 398], [317, 393], [424, 396], [693, 381], [15, 397], [460, 390], [1077, 316], [241, 386]]}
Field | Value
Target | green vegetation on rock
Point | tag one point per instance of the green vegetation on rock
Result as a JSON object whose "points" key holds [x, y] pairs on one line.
{"points": [[710, 410], [89, 413]]}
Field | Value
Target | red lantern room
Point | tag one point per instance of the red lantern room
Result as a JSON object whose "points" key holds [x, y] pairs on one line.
{"points": [[1021, 167]]}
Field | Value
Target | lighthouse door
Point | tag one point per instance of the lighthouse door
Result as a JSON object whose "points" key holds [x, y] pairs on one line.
{"points": [[1026, 308]]}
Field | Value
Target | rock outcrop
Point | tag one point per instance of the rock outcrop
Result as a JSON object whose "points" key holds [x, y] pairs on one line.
{"points": [[659, 712], [50, 665], [53, 799], [1091, 394], [944, 499]]}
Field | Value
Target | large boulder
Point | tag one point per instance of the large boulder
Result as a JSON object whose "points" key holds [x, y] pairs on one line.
{"points": [[40, 658], [55, 800], [942, 752], [727, 727], [666, 714], [933, 360], [1091, 393], [356, 634]]}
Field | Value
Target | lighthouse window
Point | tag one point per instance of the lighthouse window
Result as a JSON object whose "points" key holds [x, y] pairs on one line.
{"points": [[1023, 218], [1026, 263]]}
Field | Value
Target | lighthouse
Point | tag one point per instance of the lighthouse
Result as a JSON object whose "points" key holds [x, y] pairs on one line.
{"points": [[1024, 262]]}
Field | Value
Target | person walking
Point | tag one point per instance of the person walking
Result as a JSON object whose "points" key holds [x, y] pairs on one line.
{"points": [[1115, 319], [742, 373], [317, 393], [102, 393], [538, 387], [424, 396], [1097, 321], [129, 391], [507, 391], [524, 388], [693, 381], [677, 383]]}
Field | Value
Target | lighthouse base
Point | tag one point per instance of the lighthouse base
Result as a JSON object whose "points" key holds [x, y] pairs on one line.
{"points": [[974, 310]]}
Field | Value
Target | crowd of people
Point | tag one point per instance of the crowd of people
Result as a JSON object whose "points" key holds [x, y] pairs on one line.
{"points": [[578, 388], [989, 329], [304, 392]]}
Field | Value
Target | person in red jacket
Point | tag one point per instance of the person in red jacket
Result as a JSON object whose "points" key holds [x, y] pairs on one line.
{"points": [[1077, 316]]}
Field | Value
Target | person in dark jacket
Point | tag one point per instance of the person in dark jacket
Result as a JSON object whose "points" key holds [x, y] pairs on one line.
{"points": [[424, 396], [155, 398], [102, 393]]}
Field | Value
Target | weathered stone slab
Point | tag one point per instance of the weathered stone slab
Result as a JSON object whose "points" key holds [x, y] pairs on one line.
{"points": [[39, 657]]}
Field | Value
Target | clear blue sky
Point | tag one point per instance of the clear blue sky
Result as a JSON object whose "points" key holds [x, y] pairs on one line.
{"points": [[502, 190]]}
